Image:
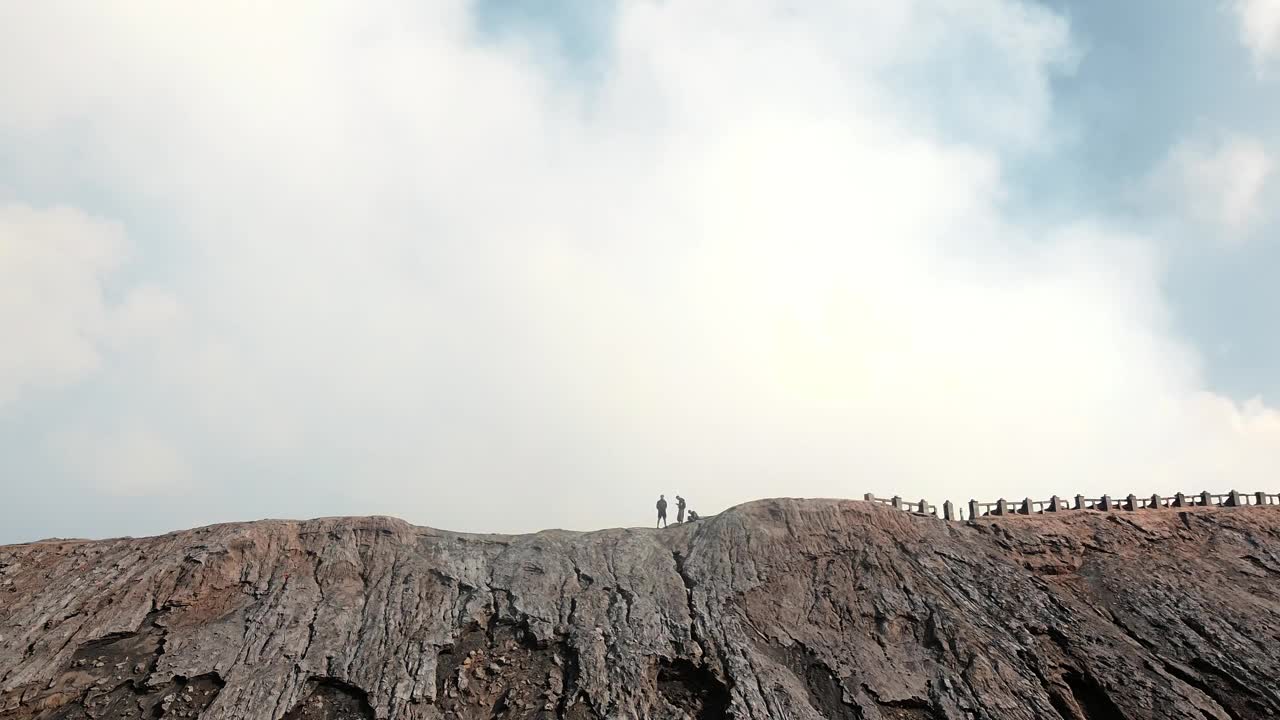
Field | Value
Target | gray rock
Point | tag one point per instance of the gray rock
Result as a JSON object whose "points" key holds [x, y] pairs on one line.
{"points": [[776, 609]]}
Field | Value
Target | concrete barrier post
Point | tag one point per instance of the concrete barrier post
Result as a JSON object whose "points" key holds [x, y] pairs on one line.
{"points": [[923, 507], [1105, 504], [948, 511], [1179, 500], [1079, 502], [869, 497], [1233, 499], [897, 502], [1055, 505], [973, 510], [1002, 508], [1260, 498], [1205, 500], [1026, 506], [1156, 501]]}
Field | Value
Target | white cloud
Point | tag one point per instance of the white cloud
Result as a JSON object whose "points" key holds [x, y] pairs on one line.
{"points": [[439, 272], [52, 311], [1259, 28], [56, 317], [1220, 184], [129, 461]]}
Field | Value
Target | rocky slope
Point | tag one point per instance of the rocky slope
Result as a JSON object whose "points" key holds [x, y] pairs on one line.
{"points": [[775, 609]]}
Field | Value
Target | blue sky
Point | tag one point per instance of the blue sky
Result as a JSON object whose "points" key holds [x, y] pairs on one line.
{"points": [[496, 266], [1153, 74]]}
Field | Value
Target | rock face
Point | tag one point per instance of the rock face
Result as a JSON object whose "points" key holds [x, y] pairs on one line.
{"points": [[775, 609]]}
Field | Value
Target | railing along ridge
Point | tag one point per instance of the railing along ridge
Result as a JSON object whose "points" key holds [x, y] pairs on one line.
{"points": [[1056, 504]]}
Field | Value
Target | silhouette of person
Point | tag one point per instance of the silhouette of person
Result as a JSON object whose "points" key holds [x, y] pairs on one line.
{"points": [[662, 510], [679, 509], [693, 515]]}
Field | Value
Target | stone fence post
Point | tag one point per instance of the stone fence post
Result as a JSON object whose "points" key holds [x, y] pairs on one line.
{"points": [[973, 509], [948, 511], [869, 497], [1105, 504], [1233, 499], [1205, 500], [1055, 505], [1156, 502], [1260, 498], [1131, 502], [897, 502], [1179, 500], [1026, 506], [1079, 502], [1002, 508]]}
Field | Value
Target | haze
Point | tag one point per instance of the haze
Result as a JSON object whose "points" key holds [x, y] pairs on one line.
{"points": [[500, 269]]}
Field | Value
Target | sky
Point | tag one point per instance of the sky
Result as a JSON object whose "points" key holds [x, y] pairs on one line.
{"points": [[497, 267]]}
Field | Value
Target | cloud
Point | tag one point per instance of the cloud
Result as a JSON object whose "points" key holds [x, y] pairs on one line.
{"points": [[57, 311], [129, 461], [1219, 184], [1259, 28], [53, 312], [426, 271]]}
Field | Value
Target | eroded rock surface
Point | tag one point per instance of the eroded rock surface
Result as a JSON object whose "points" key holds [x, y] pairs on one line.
{"points": [[791, 609]]}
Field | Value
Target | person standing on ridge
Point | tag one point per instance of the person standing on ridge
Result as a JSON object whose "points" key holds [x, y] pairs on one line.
{"points": [[679, 509], [662, 510]]}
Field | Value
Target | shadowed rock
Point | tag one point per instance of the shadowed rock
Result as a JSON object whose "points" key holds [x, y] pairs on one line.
{"points": [[332, 700]]}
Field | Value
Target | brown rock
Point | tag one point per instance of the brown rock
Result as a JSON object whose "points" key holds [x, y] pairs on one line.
{"points": [[775, 609]]}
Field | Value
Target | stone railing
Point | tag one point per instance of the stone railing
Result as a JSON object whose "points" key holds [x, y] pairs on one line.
{"points": [[1131, 502], [1056, 504], [896, 502]]}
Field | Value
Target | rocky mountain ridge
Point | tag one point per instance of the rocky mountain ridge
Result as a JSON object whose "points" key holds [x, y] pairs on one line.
{"points": [[774, 609]]}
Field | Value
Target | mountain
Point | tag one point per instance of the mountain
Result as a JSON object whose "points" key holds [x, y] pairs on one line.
{"points": [[774, 609]]}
